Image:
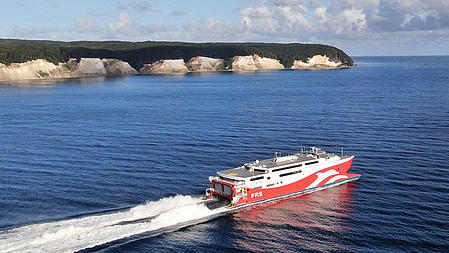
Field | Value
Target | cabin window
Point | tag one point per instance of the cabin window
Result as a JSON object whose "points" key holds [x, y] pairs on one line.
{"points": [[269, 185], [218, 188], [309, 163], [286, 168], [259, 170], [227, 190], [290, 173], [256, 178]]}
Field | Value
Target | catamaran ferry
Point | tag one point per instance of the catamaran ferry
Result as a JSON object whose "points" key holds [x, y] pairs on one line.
{"points": [[281, 176]]}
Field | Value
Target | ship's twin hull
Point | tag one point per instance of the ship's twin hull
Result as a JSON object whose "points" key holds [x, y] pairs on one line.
{"points": [[324, 178]]}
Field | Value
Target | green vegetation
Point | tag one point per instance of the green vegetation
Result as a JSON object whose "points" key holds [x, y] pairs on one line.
{"points": [[139, 53], [42, 73]]}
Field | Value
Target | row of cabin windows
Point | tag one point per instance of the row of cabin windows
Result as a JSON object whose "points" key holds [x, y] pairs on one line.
{"points": [[258, 178], [281, 175], [269, 185], [284, 168], [294, 166]]}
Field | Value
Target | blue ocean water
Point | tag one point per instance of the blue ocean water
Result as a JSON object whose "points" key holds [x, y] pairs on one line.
{"points": [[78, 157]]}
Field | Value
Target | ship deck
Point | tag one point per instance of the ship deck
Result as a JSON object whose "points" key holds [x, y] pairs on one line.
{"points": [[272, 163], [266, 164], [240, 172]]}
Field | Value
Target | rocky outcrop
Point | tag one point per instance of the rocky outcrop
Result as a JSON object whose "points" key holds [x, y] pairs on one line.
{"points": [[318, 62], [116, 67], [28, 70], [200, 64], [243, 63], [165, 67], [89, 67], [255, 62], [40, 69]]}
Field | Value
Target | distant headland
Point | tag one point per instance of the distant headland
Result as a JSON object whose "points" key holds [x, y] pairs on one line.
{"points": [[38, 59]]}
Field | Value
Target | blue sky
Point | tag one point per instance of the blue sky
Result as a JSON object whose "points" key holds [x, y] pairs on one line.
{"points": [[360, 27]]}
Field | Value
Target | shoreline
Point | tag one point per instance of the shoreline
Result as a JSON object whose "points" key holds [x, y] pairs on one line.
{"points": [[41, 69]]}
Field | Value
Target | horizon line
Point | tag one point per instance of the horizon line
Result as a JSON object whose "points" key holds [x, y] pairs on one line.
{"points": [[205, 42]]}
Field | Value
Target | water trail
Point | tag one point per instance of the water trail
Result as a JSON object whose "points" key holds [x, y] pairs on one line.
{"points": [[86, 232]]}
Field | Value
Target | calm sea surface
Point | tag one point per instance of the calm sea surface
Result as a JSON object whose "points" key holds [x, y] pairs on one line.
{"points": [[96, 164]]}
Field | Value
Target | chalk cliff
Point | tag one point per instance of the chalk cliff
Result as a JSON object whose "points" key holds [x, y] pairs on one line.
{"points": [[28, 70], [165, 66], [40, 69], [255, 62], [89, 67], [200, 63], [318, 62], [118, 68]]}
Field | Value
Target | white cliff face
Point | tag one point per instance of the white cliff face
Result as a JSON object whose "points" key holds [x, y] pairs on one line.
{"points": [[116, 67], [28, 70], [243, 63], [165, 67], [317, 62], [90, 67], [267, 63], [255, 62], [200, 63], [39, 69]]}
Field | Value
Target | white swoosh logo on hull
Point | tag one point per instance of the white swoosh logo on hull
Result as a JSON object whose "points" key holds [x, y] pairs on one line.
{"points": [[321, 177], [336, 178]]}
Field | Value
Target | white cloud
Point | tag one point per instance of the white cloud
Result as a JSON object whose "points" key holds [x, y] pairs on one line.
{"points": [[398, 15], [86, 25], [121, 24], [209, 29], [258, 20], [126, 28], [259, 12], [352, 20], [292, 17], [320, 14], [319, 21]]}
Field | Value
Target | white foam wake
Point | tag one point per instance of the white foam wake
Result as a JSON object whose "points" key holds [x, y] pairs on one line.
{"points": [[80, 233]]}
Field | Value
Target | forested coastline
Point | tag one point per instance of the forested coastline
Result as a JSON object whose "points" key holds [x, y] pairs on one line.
{"points": [[139, 53]]}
